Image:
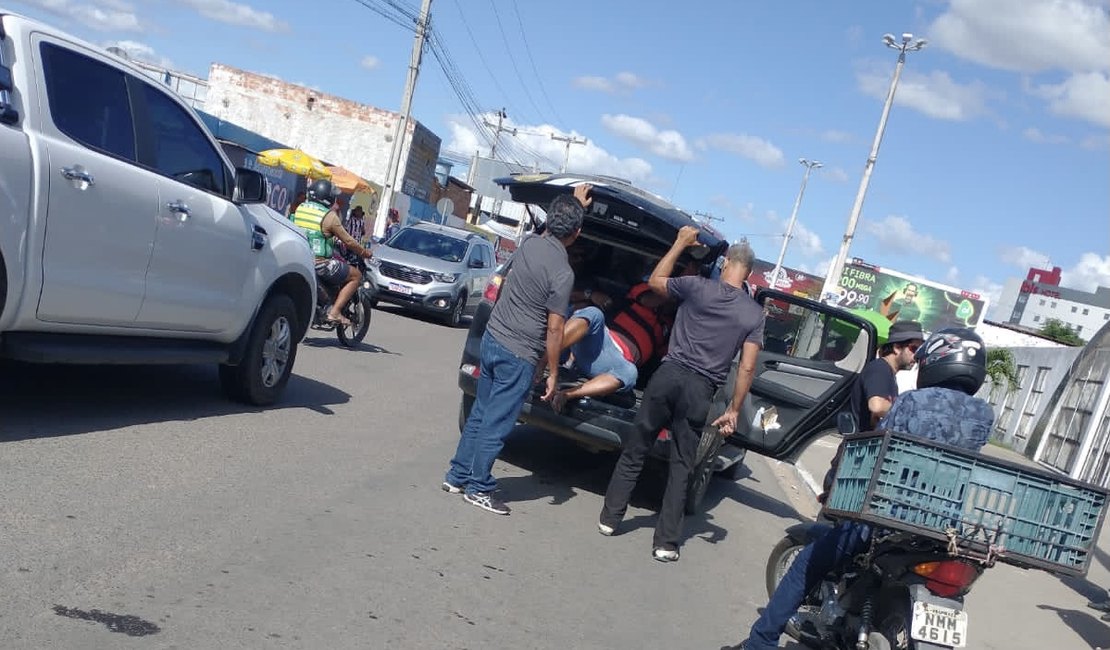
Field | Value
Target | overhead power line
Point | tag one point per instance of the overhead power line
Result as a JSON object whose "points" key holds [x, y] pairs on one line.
{"points": [[535, 71], [512, 59]]}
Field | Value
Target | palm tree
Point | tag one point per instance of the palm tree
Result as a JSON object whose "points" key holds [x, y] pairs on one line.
{"points": [[1002, 370]]}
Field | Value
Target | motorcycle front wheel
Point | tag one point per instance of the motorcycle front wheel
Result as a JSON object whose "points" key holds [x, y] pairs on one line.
{"points": [[358, 311], [782, 556]]}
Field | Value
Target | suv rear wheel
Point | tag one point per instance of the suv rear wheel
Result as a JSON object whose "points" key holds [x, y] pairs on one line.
{"points": [[708, 445], [271, 349]]}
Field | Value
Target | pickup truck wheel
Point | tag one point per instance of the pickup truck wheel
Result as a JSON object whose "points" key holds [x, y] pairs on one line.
{"points": [[465, 405], [708, 445], [260, 377]]}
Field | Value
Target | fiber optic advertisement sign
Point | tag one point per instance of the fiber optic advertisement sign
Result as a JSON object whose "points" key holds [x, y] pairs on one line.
{"points": [[904, 297]]}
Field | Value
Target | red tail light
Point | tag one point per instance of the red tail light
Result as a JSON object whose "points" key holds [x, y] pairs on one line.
{"points": [[948, 578], [492, 288]]}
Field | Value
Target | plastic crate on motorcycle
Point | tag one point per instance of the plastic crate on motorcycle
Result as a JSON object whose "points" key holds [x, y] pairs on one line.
{"points": [[1022, 515]]}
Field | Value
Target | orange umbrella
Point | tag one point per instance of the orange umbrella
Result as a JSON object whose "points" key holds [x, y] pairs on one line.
{"points": [[349, 182]]}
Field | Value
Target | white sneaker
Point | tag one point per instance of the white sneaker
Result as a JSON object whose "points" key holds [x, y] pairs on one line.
{"points": [[605, 530], [665, 554]]}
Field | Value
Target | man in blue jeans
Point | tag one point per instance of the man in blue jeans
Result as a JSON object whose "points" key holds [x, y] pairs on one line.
{"points": [[526, 322], [951, 368]]}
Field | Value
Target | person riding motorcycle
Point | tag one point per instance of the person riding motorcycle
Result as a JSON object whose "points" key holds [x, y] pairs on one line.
{"points": [[319, 219], [952, 365]]}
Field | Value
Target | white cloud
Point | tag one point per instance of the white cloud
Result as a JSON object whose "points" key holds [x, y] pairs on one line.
{"points": [[667, 144], [991, 291], [835, 136], [370, 62], [140, 52], [820, 268], [1033, 134], [1092, 270], [749, 146], [1082, 95], [233, 13], [745, 212], [533, 146], [953, 275], [101, 15], [897, 235], [1037, 35], [836, 174], [1024, 257], [622, 82], [934, 94], [1096, 142]]}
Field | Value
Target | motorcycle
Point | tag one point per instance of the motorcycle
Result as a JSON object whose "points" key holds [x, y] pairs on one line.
{"points": [[904, 592], [357, 310]]}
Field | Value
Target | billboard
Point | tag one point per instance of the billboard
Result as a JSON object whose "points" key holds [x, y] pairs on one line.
{"points": [[790, 281], [900, 296]]}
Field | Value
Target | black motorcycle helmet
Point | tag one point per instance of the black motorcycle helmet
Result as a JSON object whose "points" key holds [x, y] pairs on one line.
{"points": [[322, 191], [952, 358]]}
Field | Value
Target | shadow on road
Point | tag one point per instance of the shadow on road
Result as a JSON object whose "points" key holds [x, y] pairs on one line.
{"points": [[560, 469], [38, 401], [388, 308], [1094, 632], [325, 341]]}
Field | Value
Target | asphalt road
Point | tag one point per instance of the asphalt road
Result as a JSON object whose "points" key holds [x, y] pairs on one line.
{"points": [[143, 510]]}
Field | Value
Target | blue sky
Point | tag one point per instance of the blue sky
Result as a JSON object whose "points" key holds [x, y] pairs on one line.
{"points": [[996, 155]]}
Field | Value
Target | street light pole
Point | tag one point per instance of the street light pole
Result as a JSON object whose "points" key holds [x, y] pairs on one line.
{"points": [[829, 292], [810, 165]]}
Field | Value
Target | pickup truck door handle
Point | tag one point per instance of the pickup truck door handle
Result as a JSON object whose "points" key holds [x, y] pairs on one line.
{"points": [[77, 173], [180, 209]]}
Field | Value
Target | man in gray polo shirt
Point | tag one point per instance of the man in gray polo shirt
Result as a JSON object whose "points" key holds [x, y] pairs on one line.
{"points": [[715, 319], [525, 324]]}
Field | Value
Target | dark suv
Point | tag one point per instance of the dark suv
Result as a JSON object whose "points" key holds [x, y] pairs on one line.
{"points": [[811, 357]]}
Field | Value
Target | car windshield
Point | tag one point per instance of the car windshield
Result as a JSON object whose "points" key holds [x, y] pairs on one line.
{"points": [[429, 244]]}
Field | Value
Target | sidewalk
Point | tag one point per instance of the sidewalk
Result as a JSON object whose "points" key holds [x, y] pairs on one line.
{"points": [[1009, 608]]}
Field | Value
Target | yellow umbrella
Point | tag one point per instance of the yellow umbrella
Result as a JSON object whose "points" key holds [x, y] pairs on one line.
{"points": [[296, 161], [349, 182]]}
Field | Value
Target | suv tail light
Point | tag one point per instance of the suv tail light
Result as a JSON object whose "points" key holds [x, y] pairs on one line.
{"points": [[492, 288], [948, 578]]}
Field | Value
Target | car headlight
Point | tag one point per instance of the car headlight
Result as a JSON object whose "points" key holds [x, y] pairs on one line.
{"points": [[445, 277]]}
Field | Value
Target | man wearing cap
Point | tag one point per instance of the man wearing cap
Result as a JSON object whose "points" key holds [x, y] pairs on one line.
{"points": [[876, 389]]}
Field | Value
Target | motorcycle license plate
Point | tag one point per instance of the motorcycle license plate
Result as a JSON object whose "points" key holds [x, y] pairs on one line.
{"points": [[940, 625], [400, 288]]}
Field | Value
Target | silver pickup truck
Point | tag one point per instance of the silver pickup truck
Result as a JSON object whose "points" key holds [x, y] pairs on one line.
{"points": [[126, 236]]}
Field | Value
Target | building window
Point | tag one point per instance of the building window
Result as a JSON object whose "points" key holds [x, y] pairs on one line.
{"points": [[1086, 311], [1053, 304], [1106, 316], [1078, 329], [1042, 302], [1074, 309], [1003, 423], [1065, 432], [1029, 412], [1037, 319]]}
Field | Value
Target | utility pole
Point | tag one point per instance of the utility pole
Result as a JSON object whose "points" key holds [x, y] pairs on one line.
{"points": [[402, 124], [501, 115], [569, 140], [829, 292], [810, 165], [707, 218]]}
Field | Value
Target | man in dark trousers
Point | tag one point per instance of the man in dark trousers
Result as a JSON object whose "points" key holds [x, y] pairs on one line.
{"points": [[714, 319], [876, 389], [526, 322]]}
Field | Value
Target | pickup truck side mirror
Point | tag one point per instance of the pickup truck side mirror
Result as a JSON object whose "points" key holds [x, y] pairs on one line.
{"points": [[846, 423], [250, 186]]}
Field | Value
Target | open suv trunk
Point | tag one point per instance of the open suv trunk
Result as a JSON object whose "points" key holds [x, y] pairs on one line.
{"points": [[812, 352]]}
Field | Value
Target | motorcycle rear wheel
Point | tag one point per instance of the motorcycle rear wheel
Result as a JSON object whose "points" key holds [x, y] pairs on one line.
{"points": [[358, 311], [782, 556]]}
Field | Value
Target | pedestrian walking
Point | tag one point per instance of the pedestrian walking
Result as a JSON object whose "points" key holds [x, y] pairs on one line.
{"points": [[716, 318], [526, 322]]}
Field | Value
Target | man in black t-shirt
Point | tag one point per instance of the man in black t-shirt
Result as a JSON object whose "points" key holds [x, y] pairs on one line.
{"points": [[876, 389]]}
